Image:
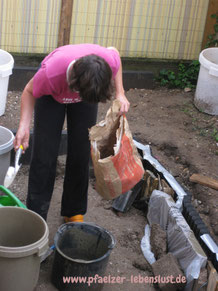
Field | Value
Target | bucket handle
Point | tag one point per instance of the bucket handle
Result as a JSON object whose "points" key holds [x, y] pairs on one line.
{"points": [[12, 196], [213, 71], [113, 243], [43, 248]]}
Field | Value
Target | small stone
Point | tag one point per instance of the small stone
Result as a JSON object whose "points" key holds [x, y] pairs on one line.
{"points": [[195, 203], [206, 210], [187, 89]]}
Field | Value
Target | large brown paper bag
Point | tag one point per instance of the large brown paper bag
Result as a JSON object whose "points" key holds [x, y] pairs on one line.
{"points": [[117, 165]]}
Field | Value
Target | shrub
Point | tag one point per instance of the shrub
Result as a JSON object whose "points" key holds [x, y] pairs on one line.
{"points": [[187, 76]]}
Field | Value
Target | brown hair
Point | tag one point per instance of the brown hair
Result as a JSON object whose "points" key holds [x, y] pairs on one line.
{"points": [[92, 77]]}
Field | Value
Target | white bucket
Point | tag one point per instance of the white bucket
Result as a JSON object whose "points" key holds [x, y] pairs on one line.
{"points": [[206, 95], [23, 240], [6, 145], [6, 66]]}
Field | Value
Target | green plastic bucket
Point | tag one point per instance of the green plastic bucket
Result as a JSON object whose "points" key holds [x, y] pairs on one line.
{"points": [[9, 199]]}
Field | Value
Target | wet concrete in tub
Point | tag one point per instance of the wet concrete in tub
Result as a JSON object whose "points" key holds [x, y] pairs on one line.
{"points": [[79, 245]]}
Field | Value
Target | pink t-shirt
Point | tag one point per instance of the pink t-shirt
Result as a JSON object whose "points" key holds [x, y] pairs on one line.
{"points": [[51, 78]]}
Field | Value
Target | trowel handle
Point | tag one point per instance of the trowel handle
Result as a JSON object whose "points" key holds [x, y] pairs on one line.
{"points": [[18, 155]]}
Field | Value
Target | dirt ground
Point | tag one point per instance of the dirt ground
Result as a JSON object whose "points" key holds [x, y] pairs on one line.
{"points": [[182, 139]]}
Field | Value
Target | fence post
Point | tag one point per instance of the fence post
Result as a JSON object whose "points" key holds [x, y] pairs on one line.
{"points": [[65, 22], [212, 9]]}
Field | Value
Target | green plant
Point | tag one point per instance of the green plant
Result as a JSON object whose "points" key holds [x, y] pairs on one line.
{"points": [[187, 76], [215, 134], [213, 37]]}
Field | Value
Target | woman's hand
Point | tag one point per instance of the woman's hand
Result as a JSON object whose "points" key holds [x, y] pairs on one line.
{"points": [[22, 138], [124, 103], [120, 93]]}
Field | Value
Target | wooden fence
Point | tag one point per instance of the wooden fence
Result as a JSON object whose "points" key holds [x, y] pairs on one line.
{"points": [[157, 29]]}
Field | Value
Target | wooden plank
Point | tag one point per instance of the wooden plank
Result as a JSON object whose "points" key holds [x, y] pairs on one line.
{"points": [[212, 9], [213, 278], [205, 181], [65, 22]]}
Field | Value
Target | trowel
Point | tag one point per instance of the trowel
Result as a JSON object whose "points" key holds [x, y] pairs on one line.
{"points": [[12, 171]]}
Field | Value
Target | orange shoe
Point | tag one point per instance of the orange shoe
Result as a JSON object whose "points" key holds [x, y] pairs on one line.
{"points": [[75, 218]]}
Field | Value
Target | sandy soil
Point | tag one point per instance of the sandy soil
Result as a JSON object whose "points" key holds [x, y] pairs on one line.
{"points": [[182, 139]]}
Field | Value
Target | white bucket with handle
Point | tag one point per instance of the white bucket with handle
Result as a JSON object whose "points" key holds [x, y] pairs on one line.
{"points": [[6, 66], [6, 145], [206, 95], [23, 240]]}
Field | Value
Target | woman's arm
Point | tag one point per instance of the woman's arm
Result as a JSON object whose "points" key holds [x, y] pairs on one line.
{"points": [[120, 93], [27, 106]]}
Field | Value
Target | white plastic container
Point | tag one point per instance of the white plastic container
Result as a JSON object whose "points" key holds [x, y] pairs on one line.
{"points": [[206, 95], [23, 240], [6, 66], [6, 145]]}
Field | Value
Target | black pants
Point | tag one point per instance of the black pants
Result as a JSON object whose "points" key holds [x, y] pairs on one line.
{"points": [[49, 118]]}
